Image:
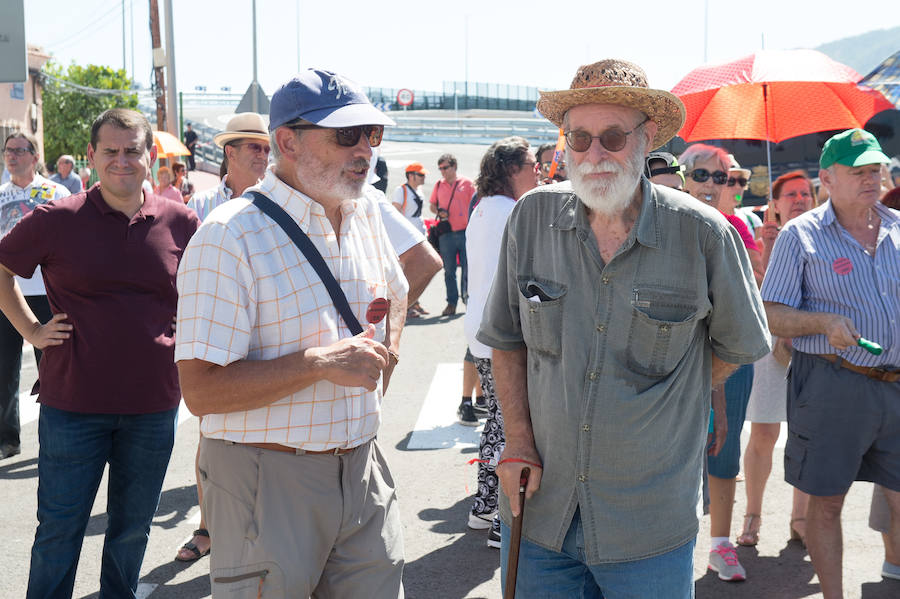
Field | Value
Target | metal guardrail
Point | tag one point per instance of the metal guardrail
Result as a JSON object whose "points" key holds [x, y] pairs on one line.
{"points": [[482, 131], [470, 131], [206, 149]]}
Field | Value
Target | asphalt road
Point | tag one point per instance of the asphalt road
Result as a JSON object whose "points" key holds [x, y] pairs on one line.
{"points": [[428, 452]]}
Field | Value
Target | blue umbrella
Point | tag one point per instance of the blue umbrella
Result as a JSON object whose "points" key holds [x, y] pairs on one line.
{"points": [[886, 79]]}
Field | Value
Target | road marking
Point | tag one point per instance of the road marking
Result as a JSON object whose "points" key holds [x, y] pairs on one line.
{"points": [[144, 589], [437, 427]]}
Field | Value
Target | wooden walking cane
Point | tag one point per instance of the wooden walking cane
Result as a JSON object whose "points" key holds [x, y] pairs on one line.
{"points": [[512, 565]]}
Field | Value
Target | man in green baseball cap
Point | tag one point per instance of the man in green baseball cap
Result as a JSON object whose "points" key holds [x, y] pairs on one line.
{"points": [[826, 288], [854, 147]]}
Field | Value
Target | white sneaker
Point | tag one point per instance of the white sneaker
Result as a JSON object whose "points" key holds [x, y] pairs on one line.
{"points": [[480, 521], [723, 559]]}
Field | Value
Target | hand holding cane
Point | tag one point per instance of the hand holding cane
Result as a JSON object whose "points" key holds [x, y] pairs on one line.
{"points": [[512, 566]]}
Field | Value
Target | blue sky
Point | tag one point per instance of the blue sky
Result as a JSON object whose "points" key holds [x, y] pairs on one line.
{"points": [[421, 44]]}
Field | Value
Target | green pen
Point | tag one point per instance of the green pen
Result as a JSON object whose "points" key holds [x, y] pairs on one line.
{"points": [[870, 346]]}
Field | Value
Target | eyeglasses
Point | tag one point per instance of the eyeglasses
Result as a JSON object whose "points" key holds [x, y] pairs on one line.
{"points": [[18, 151], [701, 175], [739, 180], [445, 167], [256, 148], [613, 139], [545, 166], [349, 136]]}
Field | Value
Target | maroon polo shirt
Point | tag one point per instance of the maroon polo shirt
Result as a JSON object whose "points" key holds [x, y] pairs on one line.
{"points": [[115, 279]]}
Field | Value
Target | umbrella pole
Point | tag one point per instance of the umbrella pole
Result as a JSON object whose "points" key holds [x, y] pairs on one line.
{"points": [[768, 146]]}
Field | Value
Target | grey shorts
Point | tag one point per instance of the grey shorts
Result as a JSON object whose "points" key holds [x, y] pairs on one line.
{"points": [[842, 426], [324, 526], [879, 511]]}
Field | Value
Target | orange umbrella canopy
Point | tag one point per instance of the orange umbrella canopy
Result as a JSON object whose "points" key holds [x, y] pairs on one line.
{"points": [[774, 95], [168, 145]]}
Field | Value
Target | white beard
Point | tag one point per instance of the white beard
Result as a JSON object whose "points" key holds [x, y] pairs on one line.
{"points": [[609, 197]]}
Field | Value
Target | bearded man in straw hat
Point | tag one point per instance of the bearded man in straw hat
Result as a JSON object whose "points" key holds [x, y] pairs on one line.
{"points": [[616, 305], [245, 143]]}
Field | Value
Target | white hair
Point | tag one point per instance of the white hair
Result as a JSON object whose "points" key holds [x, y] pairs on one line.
{"points": [[608, 197]]}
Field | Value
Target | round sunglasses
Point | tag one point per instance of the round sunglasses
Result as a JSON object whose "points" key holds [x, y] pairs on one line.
{"points": [[737, 180], [349, 136], [613, 139], [701, 175]]}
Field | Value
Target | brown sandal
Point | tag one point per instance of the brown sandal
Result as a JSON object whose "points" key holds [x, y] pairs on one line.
{"points": [[193, 552], [795, 535], [750, 537]]}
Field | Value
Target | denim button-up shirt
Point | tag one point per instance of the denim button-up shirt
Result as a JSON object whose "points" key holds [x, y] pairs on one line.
{"points": [[619, 361]]}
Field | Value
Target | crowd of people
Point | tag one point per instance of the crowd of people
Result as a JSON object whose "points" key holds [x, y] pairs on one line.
{"points": [[625, 315]]}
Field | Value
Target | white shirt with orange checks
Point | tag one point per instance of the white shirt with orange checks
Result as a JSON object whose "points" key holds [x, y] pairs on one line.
{"points": [[246, 292]]}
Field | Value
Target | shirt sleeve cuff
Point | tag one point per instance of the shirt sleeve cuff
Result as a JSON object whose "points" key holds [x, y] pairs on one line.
{"points": [[196, 350]]}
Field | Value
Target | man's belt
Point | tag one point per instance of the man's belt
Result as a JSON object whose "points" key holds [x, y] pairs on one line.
{"points": [[297, 451], [873, 372]]}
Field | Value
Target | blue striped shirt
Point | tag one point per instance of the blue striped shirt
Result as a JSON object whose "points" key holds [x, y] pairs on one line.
{"points": [[817, 266]]}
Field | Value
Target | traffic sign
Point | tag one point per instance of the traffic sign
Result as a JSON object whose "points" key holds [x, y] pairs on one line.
{"points": [[405, 97]]}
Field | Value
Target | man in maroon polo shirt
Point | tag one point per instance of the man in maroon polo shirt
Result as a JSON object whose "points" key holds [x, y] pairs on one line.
{"points": [[109, 389]]}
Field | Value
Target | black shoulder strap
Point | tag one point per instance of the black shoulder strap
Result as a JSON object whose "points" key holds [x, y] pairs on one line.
{"points": [[302, 241]]}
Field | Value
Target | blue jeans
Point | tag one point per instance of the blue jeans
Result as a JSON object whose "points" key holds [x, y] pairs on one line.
{"points": [[75, 449], [546, 574], [737, 395], [453, 244]]}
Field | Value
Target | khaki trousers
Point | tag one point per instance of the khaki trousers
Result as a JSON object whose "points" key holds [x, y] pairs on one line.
{"points": [[286, 525]]}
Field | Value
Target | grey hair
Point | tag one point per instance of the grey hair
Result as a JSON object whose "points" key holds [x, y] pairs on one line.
{"points": [[273, 143], [701, 153], [276, 152]]}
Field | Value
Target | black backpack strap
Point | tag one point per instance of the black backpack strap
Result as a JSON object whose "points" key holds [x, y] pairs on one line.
{"points": [[303, 243]]}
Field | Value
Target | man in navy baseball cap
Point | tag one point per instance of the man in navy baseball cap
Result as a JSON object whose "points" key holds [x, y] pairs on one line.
{"points": [[290, 396], [323, 98]]}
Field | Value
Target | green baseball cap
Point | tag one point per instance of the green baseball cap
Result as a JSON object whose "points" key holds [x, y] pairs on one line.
{"points": [[854, 147]]}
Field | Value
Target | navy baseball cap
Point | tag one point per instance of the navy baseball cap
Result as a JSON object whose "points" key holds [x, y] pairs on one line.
{"points": [[325, 99]]}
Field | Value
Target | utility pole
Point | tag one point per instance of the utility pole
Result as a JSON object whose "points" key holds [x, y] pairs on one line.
{"points": [[159, 62], [172, 87], [131, 14], [124, 64], [255, 97]]}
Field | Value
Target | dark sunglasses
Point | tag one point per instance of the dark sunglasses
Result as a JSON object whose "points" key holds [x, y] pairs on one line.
{"points": [[445, 167], [349, 136], [256, 148], [613, 139], [701, 175], [739, 180]]}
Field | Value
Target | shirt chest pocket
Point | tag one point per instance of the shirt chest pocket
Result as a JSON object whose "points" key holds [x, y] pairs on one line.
{"points": [[540, 312], [663, 324]]}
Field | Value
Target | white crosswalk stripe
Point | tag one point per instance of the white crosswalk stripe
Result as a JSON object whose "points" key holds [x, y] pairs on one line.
{"points": [[437, 427]]}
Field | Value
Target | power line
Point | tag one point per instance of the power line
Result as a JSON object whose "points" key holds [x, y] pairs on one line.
{"points": [[87, 30], [90, 91]]}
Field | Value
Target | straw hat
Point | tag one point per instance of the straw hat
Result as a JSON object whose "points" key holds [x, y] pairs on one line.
{"points": [[613, 81], [245, 125], [734, 166]]}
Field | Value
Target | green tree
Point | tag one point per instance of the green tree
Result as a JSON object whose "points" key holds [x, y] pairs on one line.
{"points": [[70, 111]]}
